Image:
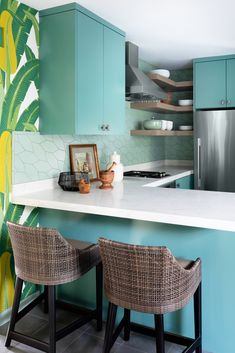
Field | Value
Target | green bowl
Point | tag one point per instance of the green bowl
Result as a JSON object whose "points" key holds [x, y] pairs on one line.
{"points": [[152, 124]]}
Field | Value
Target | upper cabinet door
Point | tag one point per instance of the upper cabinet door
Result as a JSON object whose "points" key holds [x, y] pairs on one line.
{"points": [[57, 79], [114, 81], [90, 71], [210, 84], [231, 83]]}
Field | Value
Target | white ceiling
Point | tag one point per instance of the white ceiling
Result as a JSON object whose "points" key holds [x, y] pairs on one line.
{"points": [[169, 33]]}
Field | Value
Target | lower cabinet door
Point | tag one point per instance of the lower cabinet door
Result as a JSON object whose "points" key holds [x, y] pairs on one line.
{"points": [[185, 183]]}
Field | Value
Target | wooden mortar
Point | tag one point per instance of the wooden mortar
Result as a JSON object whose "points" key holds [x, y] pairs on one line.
{"points": [[106, 178]]}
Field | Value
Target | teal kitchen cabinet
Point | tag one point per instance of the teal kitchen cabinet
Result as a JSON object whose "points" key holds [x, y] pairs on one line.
{"points": [[82, 75], [231, 83], [185, 182], [214, 82], [114, 87], [90, 72], [210, 84]]}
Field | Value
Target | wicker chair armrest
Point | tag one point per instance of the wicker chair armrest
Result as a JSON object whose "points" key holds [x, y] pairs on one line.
{"points": [[191, 269], [192, 278], [78, 244]]}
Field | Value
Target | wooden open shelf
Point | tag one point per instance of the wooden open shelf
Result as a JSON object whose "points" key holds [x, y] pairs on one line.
{"points": [[161, 107], [161, 133], [171, 86]]}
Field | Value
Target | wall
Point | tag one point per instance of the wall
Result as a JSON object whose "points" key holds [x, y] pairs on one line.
{"points": [[19, 111], [38, 157]]}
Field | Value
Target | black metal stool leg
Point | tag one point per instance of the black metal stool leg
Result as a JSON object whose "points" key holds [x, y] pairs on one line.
{"points": [[52, 319], [159, 327], [15, 309], [127, 327], [112, 311], [99, 296], [46, 299], [198, 315]]}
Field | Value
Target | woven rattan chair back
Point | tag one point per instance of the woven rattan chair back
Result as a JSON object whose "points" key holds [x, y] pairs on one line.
{"points": [[146, 278], [43, 256]]}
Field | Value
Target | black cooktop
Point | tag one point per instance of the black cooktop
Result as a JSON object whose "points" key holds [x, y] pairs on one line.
{"points": [[146, 174]]}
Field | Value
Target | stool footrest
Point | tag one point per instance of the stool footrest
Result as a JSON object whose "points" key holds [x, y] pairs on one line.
{"points": [[191, 343], [75, 308], [33, 342], [196, 343]]}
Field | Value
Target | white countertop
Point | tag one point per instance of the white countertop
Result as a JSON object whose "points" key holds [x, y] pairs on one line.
{"points": [[132, 199]]}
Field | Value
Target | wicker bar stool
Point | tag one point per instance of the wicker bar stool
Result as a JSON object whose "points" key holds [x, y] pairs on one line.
{"points": [[42, 256], [149, 279]]}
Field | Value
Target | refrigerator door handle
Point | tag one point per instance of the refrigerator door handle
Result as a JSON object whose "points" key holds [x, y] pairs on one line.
{"points": [[199, 163]]}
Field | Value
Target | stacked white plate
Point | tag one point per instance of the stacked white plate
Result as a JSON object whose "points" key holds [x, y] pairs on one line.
{"points": [[185, 127], [185, 102]]}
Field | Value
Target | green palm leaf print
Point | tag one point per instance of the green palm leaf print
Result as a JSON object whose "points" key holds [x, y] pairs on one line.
{"points": [[29, 116], [21, 33], [16, 94]]}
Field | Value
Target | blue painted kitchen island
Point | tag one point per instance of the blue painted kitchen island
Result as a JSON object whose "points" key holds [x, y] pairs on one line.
{"points": [[215, 248], [190, 223]]}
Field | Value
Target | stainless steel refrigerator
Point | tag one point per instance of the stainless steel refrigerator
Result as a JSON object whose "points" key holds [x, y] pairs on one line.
{"points": [[214, 150]]}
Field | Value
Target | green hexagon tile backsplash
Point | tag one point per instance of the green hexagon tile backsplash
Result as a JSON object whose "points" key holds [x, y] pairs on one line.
{"points": [[39, 157]]}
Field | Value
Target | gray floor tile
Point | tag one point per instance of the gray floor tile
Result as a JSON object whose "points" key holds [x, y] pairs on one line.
{"points": [[91, 330], [86, 344], [42, 334], [127, 349], [39, 311], [141, 342], [148, 344], [173, 348], [26, 325], [63, 317], [2, 346]]}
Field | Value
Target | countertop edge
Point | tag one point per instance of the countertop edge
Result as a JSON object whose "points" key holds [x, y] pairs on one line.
{"points": [[129, 214]]}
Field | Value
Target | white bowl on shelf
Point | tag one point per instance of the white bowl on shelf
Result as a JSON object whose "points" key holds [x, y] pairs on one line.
{"points": [[185, 127], [162, 72], [185, 102]]}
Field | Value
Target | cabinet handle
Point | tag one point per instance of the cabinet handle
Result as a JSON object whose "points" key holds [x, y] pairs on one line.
{"points": [[107, 128], [199, 163], [222, 101], [103, 128], [228, 101]]}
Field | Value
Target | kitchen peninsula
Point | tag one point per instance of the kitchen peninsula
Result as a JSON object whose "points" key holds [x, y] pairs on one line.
{"points": [[191, 223]]}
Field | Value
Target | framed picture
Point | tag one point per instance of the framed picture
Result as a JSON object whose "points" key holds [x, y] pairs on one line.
{"points": [[84, 159]]}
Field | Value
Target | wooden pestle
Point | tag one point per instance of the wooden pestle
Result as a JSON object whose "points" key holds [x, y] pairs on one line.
{"points": [[110, 168]]}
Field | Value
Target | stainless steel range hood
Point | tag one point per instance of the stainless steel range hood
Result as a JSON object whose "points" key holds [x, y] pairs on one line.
{"points": [[138, 85]]}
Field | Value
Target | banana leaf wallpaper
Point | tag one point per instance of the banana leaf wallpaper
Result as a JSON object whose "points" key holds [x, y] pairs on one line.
{"points": [[19, 111]]}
